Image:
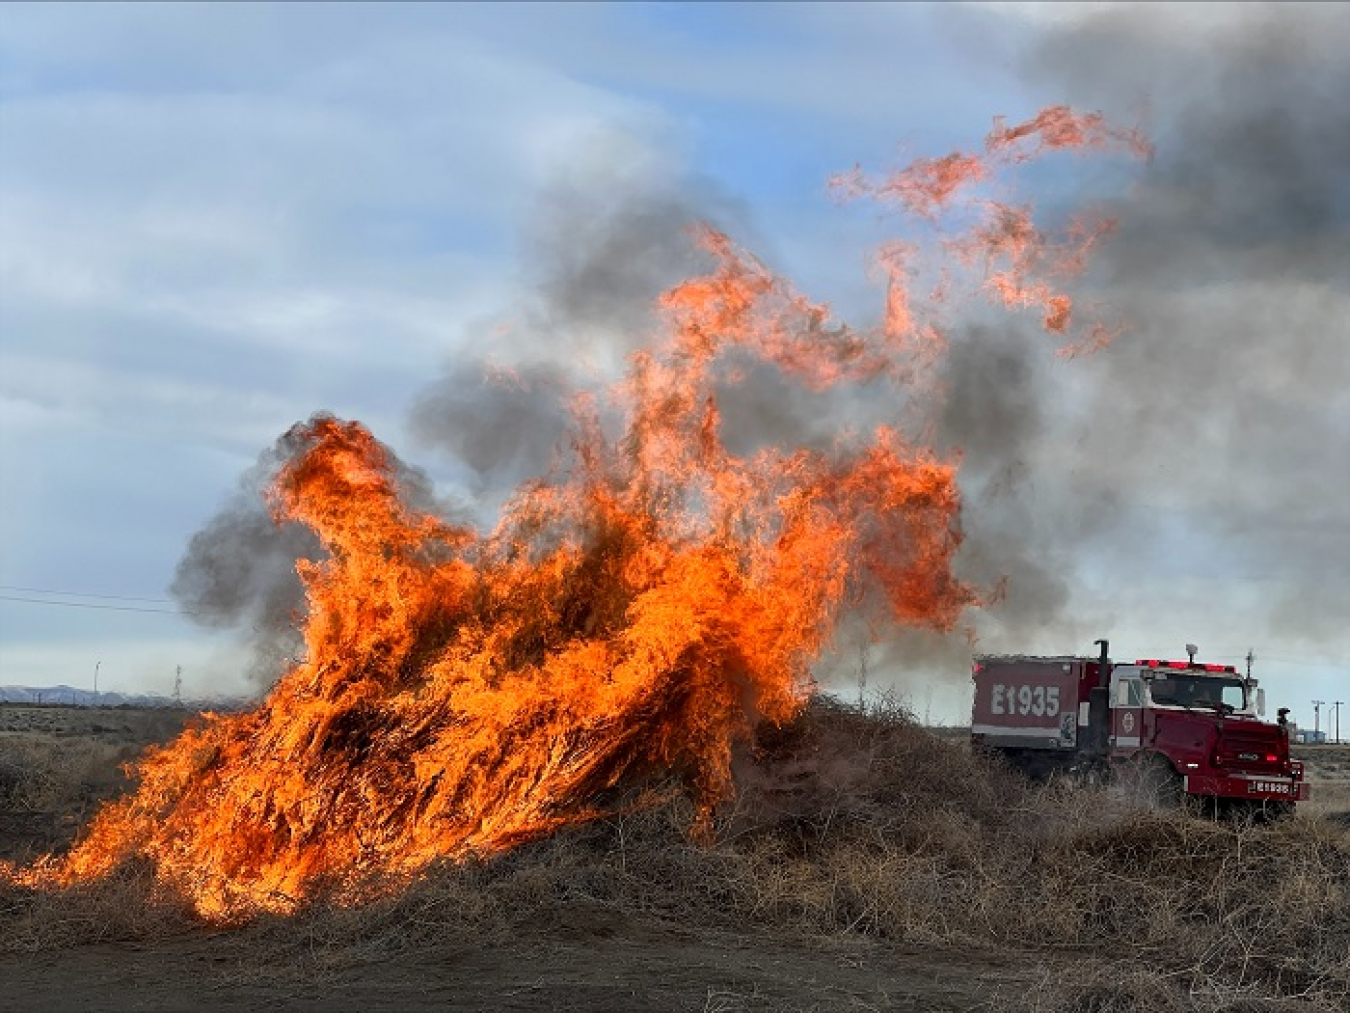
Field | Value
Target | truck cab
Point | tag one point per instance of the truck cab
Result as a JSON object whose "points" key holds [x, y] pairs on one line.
{"points": [[1204, 722]]}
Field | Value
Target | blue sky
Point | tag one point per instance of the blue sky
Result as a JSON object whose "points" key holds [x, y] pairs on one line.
{"points": [[217, 219]]}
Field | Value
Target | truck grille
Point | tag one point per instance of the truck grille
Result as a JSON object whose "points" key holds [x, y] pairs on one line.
{"points": [[1249, 750]]}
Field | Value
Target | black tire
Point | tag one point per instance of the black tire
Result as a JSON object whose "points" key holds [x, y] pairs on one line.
{"points": [[1154, 783], [1259, 813]]}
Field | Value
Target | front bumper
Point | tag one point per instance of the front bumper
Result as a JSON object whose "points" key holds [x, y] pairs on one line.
{"points": [[1257, 787]]}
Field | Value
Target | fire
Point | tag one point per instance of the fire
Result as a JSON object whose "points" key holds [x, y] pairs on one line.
{"points": [[1024, 265], [634, 614]]}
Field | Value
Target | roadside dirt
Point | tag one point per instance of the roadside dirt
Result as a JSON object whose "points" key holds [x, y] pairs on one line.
{"points": [[595, 967]]}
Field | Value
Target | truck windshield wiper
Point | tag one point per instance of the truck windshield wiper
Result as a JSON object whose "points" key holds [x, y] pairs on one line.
{"points": [[1170, 702]]}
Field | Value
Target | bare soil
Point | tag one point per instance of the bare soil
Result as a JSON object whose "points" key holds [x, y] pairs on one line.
{"points": [[597, 964]]}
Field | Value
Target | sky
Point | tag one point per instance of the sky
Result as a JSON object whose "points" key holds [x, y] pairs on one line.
{"points": [[216, 220]]}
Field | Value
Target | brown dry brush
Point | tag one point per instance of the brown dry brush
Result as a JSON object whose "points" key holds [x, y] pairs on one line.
{"points": [[859, 825], [45, 773]]}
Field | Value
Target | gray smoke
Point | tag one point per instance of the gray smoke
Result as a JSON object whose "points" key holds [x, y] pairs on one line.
{"points": [[606, 237], [238, 572], [993, 412], [1213, 438], [1230, 401], [501, 429], [605, 241]]}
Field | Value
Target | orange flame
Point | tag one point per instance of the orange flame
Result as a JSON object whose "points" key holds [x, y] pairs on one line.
{"points": [[1024, 265], [636, 613], [1060, 127]]}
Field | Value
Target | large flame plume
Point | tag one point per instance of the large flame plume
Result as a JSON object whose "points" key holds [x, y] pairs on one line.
{"points": [[635, 613]]}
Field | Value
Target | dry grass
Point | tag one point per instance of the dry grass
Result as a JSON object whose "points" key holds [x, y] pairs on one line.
{"points": [[128, 905], [40, 773], [853, 826], [49, 787]]}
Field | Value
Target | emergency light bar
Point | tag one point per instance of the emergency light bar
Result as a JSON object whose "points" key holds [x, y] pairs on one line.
{"points": [[1155, 663]]}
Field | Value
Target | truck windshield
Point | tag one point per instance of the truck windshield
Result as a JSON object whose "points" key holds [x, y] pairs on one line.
{"points": [[1198, 691]]}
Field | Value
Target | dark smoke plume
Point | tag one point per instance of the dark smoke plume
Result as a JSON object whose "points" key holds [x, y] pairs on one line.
{"points": [[606, 237], [1233, 264], [504, 428], [1212, 440], [238, 571]]}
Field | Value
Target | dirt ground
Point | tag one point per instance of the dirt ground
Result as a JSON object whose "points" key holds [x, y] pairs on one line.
{"points": [[592, 967], [588, 958]]}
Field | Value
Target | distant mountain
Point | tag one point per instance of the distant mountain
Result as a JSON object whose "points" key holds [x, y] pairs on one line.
{"points": [[69, 696]]}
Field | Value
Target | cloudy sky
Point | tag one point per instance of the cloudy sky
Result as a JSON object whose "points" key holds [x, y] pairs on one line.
{"points": [[217, 220]]}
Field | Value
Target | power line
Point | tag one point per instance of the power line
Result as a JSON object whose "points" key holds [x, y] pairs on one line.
{"points": [[91, 605], [177, 610], [81, 594]]}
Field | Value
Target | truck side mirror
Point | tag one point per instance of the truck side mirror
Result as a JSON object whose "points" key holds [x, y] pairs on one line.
{"points": [[1261, 703]]}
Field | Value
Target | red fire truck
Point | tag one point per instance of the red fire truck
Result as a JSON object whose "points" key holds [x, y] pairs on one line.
{"points": [[1173, 730]]}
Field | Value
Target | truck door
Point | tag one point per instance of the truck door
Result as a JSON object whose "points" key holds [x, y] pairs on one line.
{"points": [[1127, 712]]}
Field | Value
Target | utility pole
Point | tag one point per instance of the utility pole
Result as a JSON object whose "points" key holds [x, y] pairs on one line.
{"points": [[862, 677], [1338, 721], [96, 664], [1317, 717], [178, 686]]}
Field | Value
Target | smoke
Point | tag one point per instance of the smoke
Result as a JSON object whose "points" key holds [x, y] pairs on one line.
{"points": [[1209, 446], [606, 236], [1250, 182], [238, 572], [1230, 401], [1211, 442], [993, 413], [502, 428]]}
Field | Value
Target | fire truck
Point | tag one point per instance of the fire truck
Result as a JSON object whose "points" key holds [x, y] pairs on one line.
{"points": [[1177, 732]]}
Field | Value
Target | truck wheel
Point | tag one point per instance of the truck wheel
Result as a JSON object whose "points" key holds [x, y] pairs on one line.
{"points": [[1261, 812], [1155, 783]]}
